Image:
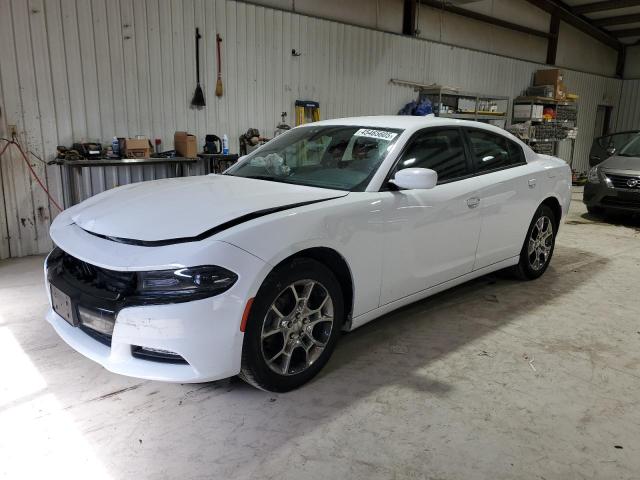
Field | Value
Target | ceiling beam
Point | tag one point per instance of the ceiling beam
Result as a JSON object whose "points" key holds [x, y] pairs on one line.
{"points": [[569, 15], [621, 61], [440, 5], [619, 20], [552, 45], [409, 17], [606, 5], [626, 32]]}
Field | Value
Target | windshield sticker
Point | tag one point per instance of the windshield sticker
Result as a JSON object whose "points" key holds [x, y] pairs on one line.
{"points": [[380, 134]]}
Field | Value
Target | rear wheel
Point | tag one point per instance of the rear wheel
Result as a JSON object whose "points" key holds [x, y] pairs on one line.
{"points": [[538, 247], [294, 323]]}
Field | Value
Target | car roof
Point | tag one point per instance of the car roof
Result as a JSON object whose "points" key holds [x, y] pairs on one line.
{"points": [[411, 124], [407, 122]]}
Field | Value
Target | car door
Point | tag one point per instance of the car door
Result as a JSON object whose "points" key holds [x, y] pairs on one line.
{"points": [[431, 235], [508, 194]]}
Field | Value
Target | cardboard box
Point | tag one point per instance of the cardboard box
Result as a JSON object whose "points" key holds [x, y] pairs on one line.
{"points": [[186, 145], [137, 148], [551, 77], [548, 77]]}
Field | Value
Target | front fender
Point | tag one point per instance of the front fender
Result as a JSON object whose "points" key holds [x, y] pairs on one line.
{"points": [[352, 226]]}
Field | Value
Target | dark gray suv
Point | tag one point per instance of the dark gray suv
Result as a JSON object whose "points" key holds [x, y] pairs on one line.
{"points": [[614, 184]]}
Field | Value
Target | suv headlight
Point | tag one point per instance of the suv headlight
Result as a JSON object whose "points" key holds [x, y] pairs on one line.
{"points": [[593, 176], [204, 281]]}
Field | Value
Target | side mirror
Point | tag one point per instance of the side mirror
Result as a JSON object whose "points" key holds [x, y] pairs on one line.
{"points": [[415, 178]]}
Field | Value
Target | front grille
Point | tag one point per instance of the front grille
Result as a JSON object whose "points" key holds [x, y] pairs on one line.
{"points": [[621, 202], [620, 181], [122, 283], [96, 294]]}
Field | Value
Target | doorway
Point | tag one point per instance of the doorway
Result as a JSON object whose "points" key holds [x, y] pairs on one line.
{"points": [[603, 121]]}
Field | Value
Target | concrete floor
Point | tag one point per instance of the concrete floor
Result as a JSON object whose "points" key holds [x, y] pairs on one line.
{"points": [[496, 379]]}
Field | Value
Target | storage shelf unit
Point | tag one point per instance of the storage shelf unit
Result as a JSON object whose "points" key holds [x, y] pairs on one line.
{"points": [[554, 131], [453, 103]]}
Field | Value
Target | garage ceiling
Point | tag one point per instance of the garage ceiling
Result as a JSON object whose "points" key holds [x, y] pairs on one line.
{"points": [[621, 18], [616, 23]]}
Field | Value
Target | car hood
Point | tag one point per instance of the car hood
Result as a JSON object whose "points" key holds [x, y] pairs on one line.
{"points": [[622, 163], [183, 208]]}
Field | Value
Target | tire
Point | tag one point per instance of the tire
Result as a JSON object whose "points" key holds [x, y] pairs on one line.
{"points": [[528, 268], [287, 342]]}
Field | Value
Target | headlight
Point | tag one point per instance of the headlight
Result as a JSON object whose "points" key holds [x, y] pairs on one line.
{"points": [[593, 176], [204, 281]]}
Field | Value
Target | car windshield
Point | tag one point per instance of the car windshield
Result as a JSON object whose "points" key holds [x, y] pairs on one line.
{"points": [[631, 149], [334, 156]]}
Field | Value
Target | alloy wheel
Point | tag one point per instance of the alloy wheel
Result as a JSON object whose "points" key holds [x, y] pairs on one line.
{"points": [[540, 243], [297, 327]]}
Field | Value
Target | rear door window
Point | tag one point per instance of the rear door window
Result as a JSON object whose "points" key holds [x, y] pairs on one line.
{"points": [[492, 151]]}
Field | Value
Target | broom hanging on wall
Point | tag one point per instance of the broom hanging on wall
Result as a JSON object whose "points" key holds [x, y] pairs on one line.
{"points": [[219, 81], [198, 96]]}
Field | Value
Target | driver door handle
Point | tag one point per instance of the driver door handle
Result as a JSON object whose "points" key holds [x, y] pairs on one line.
{"points": [[473, 202]]}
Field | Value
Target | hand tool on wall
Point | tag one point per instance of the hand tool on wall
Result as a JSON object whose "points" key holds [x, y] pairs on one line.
{"points": [[219, 81], [198, 96]]}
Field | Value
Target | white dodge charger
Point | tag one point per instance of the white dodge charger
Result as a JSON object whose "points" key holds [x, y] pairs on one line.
{"points": [[257, 271]]}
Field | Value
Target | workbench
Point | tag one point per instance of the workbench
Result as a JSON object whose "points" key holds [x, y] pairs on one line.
{"points": [[74, 183]]}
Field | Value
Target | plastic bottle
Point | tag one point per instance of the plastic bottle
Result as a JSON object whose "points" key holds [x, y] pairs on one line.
{"points": [[225, 144], [115, 147]]}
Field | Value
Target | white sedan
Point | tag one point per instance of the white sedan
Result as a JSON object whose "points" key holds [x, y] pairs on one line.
{"points": [[257, 271]]}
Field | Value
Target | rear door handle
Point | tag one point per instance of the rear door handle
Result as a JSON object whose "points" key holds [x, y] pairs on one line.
{"points": [[473, 202], [532, 183]]}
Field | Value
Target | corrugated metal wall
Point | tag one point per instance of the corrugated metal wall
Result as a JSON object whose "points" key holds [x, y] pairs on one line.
{"points": [[80, 69], [629, 112], [593, 91]]}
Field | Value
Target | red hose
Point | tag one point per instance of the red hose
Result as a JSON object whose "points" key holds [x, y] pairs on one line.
{"points": [[5, 147], [33, 172]]}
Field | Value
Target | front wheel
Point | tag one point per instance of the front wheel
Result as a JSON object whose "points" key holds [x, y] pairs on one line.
{"points": [[538, 247], [293, 326]]}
